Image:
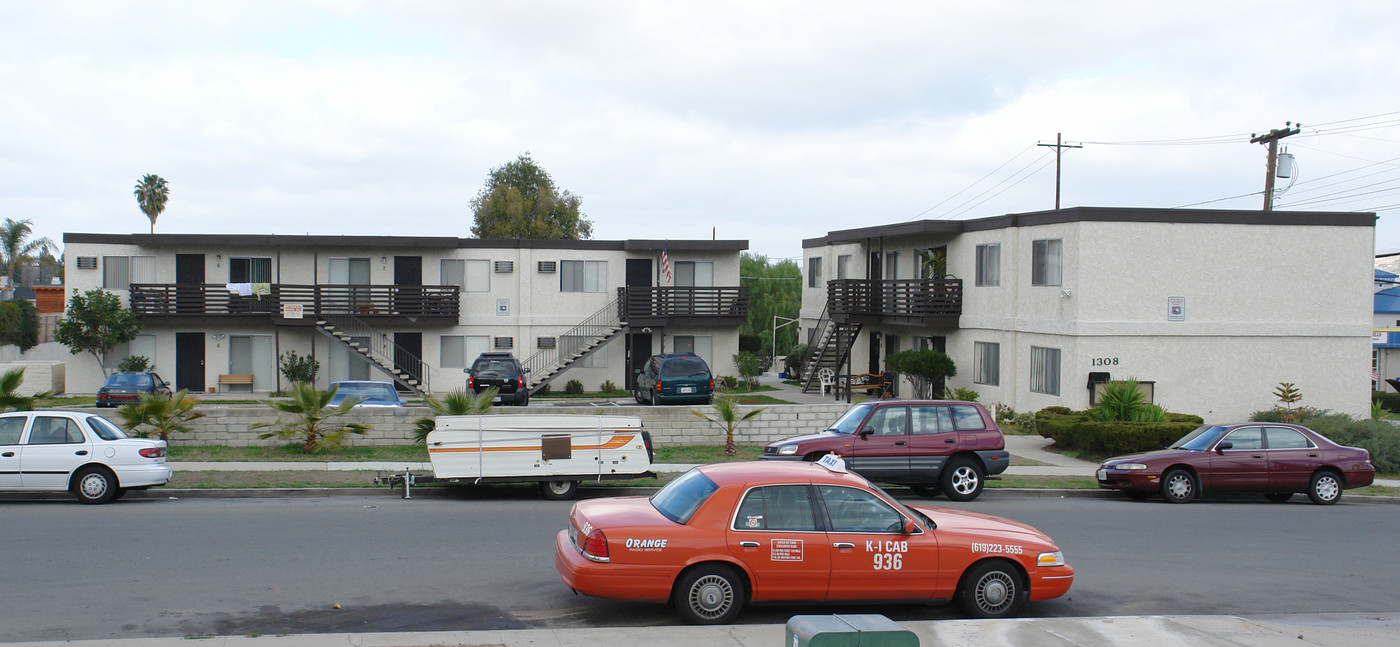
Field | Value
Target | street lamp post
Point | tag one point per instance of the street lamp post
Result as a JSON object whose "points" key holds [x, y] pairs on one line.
{"points": [[776, 326]]}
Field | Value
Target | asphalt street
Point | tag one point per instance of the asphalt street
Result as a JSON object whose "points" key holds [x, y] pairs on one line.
{"points": [[481, 561]]}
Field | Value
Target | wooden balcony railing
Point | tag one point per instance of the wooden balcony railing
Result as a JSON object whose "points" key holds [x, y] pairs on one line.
{"points": [[660, 306], [178, 301], [911, 301]]}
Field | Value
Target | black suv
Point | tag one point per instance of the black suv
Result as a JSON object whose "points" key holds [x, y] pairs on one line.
{"points": [[502, 371], [674, 379]]}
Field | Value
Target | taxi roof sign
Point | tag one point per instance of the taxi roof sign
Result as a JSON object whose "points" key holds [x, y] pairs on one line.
{"points": [[833, 463]]}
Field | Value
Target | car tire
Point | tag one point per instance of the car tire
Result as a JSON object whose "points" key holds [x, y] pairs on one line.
{"points": [[1278, 497], [709, 594], [1325, 488], [637, 395], [94, 485], [992, 589], [926, 490], [1179, 486], [559, 490], [962, 479]]}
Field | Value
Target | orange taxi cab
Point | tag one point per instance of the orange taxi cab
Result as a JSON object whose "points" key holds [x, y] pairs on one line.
{"points": [[724, 535]]}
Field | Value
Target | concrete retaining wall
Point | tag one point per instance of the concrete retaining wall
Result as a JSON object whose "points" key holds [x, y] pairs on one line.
{"points": [[229, 425], [39, 376]]}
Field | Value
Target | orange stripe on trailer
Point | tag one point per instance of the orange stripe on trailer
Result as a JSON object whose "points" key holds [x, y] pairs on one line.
{"points": [[616, 441]]}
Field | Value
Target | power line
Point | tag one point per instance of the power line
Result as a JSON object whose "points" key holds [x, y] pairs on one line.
{"points": [[979, 181], [1027, 177]]}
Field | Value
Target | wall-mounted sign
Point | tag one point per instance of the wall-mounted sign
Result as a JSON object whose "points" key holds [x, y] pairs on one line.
{"points": [[292, 310], [1176, 308], [502, 307]]}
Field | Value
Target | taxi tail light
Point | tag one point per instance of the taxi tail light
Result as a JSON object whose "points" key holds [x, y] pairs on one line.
{"points": [[152, 452], [595, 545]]}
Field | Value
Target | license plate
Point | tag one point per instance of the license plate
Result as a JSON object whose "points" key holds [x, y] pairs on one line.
{"points": [[496, 399], [1103, 475], [687, 389]]}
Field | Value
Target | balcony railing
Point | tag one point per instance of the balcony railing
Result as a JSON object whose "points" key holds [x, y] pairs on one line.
{"points": [[178, 301], [661, 306], [908, 301]]}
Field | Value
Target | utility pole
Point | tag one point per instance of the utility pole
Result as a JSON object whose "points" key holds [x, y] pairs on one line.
{"points": [[1059, 146], [1272, 140]]}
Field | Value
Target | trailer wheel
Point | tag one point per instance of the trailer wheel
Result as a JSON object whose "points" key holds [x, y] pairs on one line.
{"points": [[558, 490]]}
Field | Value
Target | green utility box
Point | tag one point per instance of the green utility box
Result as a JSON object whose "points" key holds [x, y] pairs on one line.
{"points": [[859, 630]]}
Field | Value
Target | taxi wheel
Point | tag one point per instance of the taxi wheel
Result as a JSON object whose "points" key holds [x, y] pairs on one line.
{"points": [[1178, 486], [94, 485], [992, 589], [559, 490], [961, 480], [709, 594], [926, 490], [1278, 497], [1325, 488]]}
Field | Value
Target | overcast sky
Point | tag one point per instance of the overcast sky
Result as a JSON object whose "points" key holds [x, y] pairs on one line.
{"points": [[767, 121]]}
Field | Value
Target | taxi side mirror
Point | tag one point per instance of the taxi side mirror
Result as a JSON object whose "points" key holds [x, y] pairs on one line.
{"points": [[909, 527]]}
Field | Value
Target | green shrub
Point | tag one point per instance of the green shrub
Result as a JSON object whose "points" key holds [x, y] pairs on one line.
{"points": [[1122, 400], [607, 387], [727, 383], [1003, 412], [750, 366], [792, 363], [1379, 437], [298, 369], [134, 363], [965, 395], [574, 387], [544, 390], [1077, 431], [1390, 401]]}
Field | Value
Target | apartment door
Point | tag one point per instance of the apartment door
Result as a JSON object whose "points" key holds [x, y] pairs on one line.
{"points": [[408, 353], [189, 283], [408, 284], [638, 352], [639, 276], [189, 361]]}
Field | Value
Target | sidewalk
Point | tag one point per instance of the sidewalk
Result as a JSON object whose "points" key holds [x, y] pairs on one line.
{"points": [[1328, 630]]}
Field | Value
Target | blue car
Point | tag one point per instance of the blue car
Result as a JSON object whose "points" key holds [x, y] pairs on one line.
{"points": [[368, 392]]}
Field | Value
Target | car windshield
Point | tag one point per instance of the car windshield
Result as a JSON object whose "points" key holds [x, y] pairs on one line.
{"points": [[493, 366], [683, 496], [105, 430], [848, 421], [130, 381], [1201, 439], [688, 367]]}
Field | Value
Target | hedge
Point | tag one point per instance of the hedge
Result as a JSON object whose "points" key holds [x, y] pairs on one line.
{"points": [[1390, 400], [1074, 430], [1379, 437]]}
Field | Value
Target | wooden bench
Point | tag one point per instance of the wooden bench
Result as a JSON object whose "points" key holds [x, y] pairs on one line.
{"points": [[871, 383], [236, 380]]}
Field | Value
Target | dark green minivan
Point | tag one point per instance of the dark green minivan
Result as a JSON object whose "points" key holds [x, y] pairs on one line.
{"points": [[674, 379]]}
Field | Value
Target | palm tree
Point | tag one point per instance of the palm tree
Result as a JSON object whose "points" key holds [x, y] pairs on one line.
{"points": [[151, 194], [457, 403], [728, 418], [312, 419], [17, 250], [163, 415]]}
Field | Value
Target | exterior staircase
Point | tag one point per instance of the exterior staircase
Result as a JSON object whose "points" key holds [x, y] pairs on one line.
{"points": [[831, 349], [407, 369], [573, 345]]}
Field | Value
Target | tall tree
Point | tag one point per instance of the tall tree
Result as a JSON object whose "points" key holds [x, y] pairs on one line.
{"points": [[151, 194], [774, 289], [18, 250], [95, 322], [520, 200]]}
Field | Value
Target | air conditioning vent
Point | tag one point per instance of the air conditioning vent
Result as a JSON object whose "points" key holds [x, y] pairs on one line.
{"points": [[547, 267], [505, 343], [505, 267], [87, 262], [544, 342]]}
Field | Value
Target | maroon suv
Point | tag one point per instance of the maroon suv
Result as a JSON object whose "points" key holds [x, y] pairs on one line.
{"points": [[930, 445]]}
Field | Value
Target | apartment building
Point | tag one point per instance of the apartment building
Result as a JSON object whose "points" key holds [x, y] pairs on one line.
{"points": [[416, 310], [1211, 309]]}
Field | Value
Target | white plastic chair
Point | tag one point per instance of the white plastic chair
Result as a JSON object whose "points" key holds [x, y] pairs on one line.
{"points": [[827, 377]]}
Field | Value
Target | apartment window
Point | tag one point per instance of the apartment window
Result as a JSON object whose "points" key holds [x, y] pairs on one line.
{"points": [[986, 363], [119, 272], [891, 265], [814, 272], [583, 276], [695, 274], [1045, 370], [243, 269], [989, 265], [570, 345], [701, 345], [252, 354], [1046, 259], [843, 266], [468, 275]]}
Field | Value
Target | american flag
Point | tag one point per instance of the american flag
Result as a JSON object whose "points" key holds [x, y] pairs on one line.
{"points": [[666, 265]]}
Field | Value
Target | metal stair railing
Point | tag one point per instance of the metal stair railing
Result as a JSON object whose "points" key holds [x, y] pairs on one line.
{"points": [[573, 345], [386, 354]]}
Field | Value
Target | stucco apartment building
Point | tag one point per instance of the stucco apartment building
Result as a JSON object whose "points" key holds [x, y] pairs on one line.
{"points": [[417, 310], [1212, 308]]}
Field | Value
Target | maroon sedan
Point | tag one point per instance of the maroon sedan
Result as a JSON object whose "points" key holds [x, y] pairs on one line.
{"points": [[1275, 459]]}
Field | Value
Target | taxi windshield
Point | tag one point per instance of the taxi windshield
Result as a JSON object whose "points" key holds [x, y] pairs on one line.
{"points": [[683, 496], [849, 421], [1200, 439]]}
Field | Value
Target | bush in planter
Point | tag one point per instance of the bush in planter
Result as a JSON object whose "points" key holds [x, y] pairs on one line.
{"points": [[573, 387], [1390, 401], [1076, 430]]}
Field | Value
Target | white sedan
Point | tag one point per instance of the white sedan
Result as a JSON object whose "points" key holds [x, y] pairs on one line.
{"points": [[82, 453]]}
